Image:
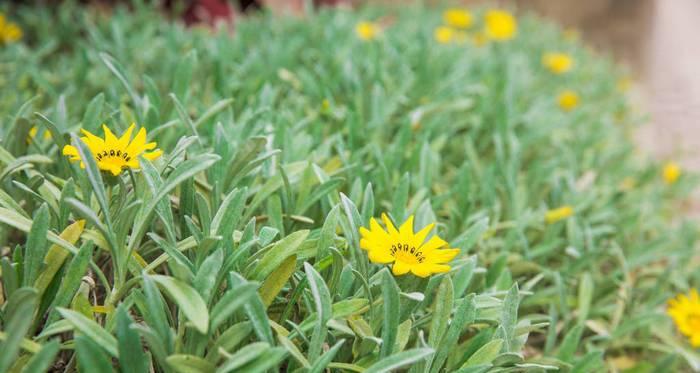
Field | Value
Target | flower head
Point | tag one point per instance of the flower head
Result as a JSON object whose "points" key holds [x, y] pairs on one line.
{"points": [[406, 249], [671, 172], [568, 100], [35, 131], [367, 30], [444, 34], [115, 154], [685, 312], [458, 18], [558, 63], [500, 25], [623, 84], [558, 214], [9, 31]]}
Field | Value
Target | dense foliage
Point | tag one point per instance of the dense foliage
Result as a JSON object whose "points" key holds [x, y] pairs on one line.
{"points": [[239, 248]]}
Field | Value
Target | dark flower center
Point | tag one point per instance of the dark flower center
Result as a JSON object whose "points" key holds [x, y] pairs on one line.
{"points": [[112, 153], [407, 253]]}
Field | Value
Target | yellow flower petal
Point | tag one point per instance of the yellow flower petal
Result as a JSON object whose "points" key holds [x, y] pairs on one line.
{"points": [[558, 214], [405, 248], [458, 18], [557, 63], [400, 268], [500, 25], [671, 172], [568, 100]]}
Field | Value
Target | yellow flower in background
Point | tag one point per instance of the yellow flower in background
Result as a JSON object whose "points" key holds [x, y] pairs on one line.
{"points": [[624, 84], [35, 131], [444, 34], [685, 312], [557, 63], [500, 25], [568, 100], [367, 30], [558, 214], [409, 251], [458, 18], [9, 31], [671, 172], [115, 154]]}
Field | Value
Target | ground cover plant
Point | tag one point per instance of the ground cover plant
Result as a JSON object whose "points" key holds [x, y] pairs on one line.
{"points": [[351, 191]]}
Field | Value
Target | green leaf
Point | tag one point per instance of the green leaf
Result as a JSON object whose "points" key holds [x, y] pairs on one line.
{"points": [[570, 343], [293, 350], [131, 355], [585, 296], [36, 245], [65, 240], [42, 360], [322, 362], [18, 316], [183, 73], [442, 308], [91, 358], [255, 309], [279, 252], [227, 217], [71, 281], [189, 364], [509, 316], [184, 171], [205, 280], [322, 301], [92, 111], [402, 359], [91, 330], [213, 111], [269, 359], [463, 316], [230, 302], [190, 302], [327, 236], [274, 283], [392, 311], [485, 354], [229, 339], [243, 356], [118, 71]]}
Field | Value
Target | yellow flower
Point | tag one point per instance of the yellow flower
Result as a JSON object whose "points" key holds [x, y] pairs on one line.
{"points": [[623, 84], [500, 25], [568, 100], [34, 131], [367, 30], [558, 214], [444, 34], [685, 312], [557, 63], [671, 172], [458, 18], [406, 249], [115, 154], [9, 31]]}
